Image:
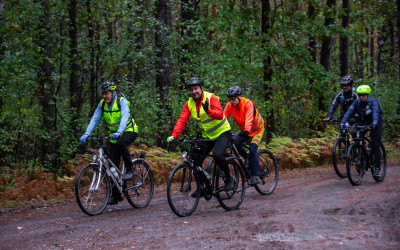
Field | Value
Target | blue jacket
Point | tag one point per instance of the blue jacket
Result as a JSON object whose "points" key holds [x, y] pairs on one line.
{"points": [[368, 112]]}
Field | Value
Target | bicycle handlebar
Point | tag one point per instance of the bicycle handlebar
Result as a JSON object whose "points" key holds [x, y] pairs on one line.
{"points": [[363, 127], [98, 139], [191, 140]]}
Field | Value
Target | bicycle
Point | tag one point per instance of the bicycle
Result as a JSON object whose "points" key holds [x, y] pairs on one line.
{"points": [[187, 183], [93, 182], [267, 167], [360, 157], [339, 151]]}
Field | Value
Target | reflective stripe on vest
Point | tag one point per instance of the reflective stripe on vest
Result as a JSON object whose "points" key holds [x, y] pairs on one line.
{"points": [[112, 118], [257, 122], [210, 128]]}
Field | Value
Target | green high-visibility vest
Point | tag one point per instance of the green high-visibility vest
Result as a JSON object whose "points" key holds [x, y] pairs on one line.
{"points": [[113, 118]]}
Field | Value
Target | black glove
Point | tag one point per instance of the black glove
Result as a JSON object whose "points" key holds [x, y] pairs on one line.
{"points": [[205, 105], [374, 125], [244, 132], [342, 126]]}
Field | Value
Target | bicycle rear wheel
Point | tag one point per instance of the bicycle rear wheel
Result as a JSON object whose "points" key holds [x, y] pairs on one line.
{"points": [[339, 157], [92, 189], [355, 164], [181, 190], [268, 172], [232, 199], [139, 190], [383, 165]]}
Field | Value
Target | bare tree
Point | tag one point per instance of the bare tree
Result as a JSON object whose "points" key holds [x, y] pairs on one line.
{"points": [[163, 65], [267, 78], [344, 41]]}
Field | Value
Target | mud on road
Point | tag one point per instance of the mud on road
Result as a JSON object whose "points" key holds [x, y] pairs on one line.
{"points": [[311, 208]]}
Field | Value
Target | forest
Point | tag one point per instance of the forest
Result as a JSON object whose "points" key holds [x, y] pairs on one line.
{"points": [[287, 56]]}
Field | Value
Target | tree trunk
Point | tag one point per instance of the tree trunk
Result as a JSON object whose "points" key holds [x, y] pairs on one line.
{"points": [[163, 67], [381, 43], [93, 96], [189, 9], [312, 43], [398, 42], [47, 96], [344, 41], [327, 40], [74, 88], [372, 51], [267, 78], [326, 49]]}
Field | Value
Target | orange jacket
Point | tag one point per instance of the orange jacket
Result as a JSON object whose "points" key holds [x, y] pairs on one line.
{"points": [[215, 111], [246, 116]]}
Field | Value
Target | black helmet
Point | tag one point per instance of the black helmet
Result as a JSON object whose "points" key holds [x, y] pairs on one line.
{"points": [[194, 81], [233, 91], [107, 86], [346, 80]]}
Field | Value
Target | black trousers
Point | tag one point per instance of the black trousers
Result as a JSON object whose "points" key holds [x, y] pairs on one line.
{"points": [[220, 144], [120, 148], [376, 140]]}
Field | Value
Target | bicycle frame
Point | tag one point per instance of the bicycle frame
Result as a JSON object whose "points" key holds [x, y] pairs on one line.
{"points": [[362, 140], [235, 154], [204, 176]]}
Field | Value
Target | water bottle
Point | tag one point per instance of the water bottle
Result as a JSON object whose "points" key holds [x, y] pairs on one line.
{"points": [[114, 172]]}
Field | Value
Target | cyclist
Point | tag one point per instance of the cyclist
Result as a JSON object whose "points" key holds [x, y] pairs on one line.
{"points": [[344, 97], [206, 109], [114, 108], [370, 113], [249, 120]]}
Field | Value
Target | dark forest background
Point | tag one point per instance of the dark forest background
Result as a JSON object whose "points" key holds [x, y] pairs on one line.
{"points": [[288, 57]]}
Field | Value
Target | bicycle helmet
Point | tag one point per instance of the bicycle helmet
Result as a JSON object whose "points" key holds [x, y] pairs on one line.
{"points": [[363, 90], [233, 91], [347, 80], [107, 86], [194, 81]]}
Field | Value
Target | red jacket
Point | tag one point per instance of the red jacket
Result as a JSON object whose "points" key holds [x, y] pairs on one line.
{"points": [[246, 115], [214, 111]]}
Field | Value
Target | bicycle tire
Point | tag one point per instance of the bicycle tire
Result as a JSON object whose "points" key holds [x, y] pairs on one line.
{"points": [[139, 190], [355, 164], [383, 165], [181, 190], [90, 199], [339, 157], [268, 170], [231, 200]]}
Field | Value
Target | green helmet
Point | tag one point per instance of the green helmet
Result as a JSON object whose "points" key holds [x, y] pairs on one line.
{"points": [[363, 89]]}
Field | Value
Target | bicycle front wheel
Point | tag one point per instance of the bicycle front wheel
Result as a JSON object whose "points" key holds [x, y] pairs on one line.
{"points": [[183, 182], [339, 157], [355, 164], [268, 172], [139, 190], [92, 189], [383, 164], [232, 199]]}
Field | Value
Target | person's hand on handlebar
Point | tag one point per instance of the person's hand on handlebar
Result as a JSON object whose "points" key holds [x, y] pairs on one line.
{"points": [[327, 119], [170, 139], [83, 138]]}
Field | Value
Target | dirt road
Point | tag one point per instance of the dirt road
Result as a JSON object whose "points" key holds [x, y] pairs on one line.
{"points": [[311, 208]]}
